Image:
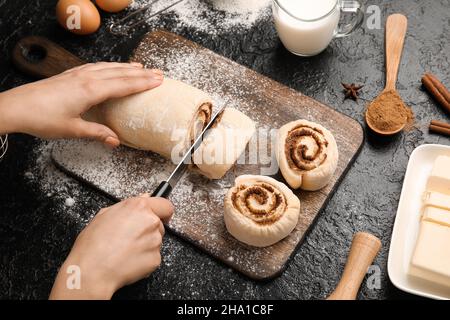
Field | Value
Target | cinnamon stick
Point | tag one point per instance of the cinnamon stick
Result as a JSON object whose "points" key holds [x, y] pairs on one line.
{"points": [[439, 92], [440, 124], [440, 127]]}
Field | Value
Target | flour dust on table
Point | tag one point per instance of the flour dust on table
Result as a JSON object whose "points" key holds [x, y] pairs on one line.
{"points": [[67, 193], [210, 16]]}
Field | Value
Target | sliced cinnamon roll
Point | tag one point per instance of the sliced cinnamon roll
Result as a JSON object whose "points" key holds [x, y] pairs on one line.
{"points": [[224, 144], [307, 154], [260, 211]]}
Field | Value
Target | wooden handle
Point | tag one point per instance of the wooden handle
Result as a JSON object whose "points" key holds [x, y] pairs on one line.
{"points": [[364, 249], [396, 26], [42, 58]]}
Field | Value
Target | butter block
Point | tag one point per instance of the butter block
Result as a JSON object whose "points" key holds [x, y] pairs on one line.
{"points": [[431, 258], [439, 180], [436, 199], [438, 216]]}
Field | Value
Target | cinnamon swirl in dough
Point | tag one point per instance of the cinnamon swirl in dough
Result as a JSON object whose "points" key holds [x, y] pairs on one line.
{"points": [[163, 120], [224, 144], [260, 211], [307, 154]]}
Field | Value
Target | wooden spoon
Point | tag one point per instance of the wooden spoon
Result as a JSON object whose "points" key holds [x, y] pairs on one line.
{"points": [[364, 249], [396, 26]]}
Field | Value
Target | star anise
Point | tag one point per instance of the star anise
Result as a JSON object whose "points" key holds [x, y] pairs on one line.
{"points": [[351, 91]]}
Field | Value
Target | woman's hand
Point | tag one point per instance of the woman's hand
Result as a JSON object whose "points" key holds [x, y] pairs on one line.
{"points": [[120, 246], [52, 108]]}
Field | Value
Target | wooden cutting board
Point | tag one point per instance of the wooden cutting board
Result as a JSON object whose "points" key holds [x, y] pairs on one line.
{"points": [[199, 202]]}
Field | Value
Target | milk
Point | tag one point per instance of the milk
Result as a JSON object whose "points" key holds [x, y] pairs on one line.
{"points": [[306, 27]]}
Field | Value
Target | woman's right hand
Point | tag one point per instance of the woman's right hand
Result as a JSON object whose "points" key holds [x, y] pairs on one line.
{"points": [[119, 247]]}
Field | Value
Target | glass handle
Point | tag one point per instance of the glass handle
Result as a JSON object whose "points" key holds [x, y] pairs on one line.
{"points": [[350, 6]]}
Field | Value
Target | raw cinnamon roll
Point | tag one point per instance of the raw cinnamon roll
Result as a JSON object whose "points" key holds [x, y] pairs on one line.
{"points": [[307, 154], [224, 144], [260, 211], [163, 120]]}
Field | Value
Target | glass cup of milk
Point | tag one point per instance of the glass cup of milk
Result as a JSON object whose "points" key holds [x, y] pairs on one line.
{"points": [[306, 27]]}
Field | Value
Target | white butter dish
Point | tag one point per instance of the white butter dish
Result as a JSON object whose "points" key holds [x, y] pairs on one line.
{"points": [[407, 223]]}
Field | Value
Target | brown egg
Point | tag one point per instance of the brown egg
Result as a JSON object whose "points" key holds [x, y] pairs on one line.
{"points": [[113, 5], [78, 16]]}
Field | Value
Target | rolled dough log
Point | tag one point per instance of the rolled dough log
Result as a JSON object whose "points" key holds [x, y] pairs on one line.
{"points": [[260, 211], [224, 144], [164, 120], [307, 154]]}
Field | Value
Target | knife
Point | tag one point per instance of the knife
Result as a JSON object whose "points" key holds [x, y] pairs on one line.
{"points": [[166, 187]]}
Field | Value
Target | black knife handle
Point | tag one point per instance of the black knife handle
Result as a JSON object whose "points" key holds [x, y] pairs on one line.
{"points": [[163, 190]]}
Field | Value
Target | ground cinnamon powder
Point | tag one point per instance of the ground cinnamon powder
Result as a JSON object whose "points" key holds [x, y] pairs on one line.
{"points": [[388, 112]]}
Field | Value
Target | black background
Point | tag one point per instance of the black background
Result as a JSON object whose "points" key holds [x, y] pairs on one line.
{"points": [[36, 231]]}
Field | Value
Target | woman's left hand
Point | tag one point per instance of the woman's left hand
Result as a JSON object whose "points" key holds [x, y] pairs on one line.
{"points": [[52, 108]]}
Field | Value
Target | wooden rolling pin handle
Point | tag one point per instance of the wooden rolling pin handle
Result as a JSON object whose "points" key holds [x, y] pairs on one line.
{"points": [[364, 249], [42, 58], [396, 26]]}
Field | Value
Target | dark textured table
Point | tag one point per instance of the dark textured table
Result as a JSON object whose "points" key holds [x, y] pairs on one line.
{"points": [[36, 231]]}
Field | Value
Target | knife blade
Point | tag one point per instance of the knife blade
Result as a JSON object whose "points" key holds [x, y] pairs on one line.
{"points": [[165, 188]]}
